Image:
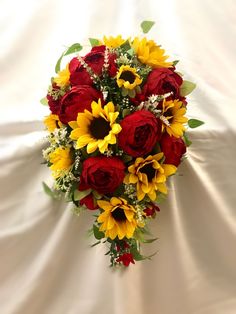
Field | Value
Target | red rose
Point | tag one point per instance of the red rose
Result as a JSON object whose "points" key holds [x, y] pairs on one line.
{"points": [[77, 100], [161, 81], [173, 149], [126, 259], [103, 174], [95, 60], [151, 210], [140, 132], [88, 201]]}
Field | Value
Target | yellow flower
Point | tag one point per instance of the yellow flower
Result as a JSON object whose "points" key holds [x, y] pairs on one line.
{"points": [[149, 176], [117, 219], [128, 77], [61, 160], [113, 42], [149, 53], [52, 122], [96, 129], [63, 78], [173, 118]]}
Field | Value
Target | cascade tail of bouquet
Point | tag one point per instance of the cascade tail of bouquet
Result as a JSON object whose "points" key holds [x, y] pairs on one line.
{"points": [[116, 133]]}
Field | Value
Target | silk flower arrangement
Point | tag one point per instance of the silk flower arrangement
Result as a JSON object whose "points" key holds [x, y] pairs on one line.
{"points": [[116, 133]]}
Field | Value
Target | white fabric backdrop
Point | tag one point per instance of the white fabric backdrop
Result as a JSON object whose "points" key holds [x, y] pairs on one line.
{"points": [[46, 264]]}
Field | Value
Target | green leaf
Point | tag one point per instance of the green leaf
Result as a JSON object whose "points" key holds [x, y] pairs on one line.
{"points": [[160, 198], [186, 88], [146, 26], [124, 92], [97, 234], [149, 240], [94, 42], [131, 52], [136, 255], [78, 195], [44, 101], [187, 140], [125, 112], [50, 192], [131, 93], [96, 243], [126, 158], [72, 49], [97, 195], [126, 46], [175, 62], [194, 123]]}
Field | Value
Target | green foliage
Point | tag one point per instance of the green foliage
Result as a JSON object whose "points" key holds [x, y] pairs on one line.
{"points": [[146, 26], [194, 123], [53, 194], [79, 195], [72, 49], [94, 42], [44, 101], [97, 234], [186, 140], [186, 88]]}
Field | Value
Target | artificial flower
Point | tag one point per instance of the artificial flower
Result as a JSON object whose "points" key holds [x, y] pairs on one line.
{"points": [[63, 77], [173, 118], [128, 77], [77, 100], [149, 53], [140, 132], [113, 42], [102, 174], [149, 175], [96, 129], [117, 218], [52, 122], [173, 148], [126, 259], [60, 159]]}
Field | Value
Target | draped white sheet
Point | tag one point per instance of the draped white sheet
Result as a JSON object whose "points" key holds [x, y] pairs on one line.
{"points": [[46, 264]]}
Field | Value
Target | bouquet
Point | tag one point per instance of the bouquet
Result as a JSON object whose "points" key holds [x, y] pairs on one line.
{"points": [[116, 133]]}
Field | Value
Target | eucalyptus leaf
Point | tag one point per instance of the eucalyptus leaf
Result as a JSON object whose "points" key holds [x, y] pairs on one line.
{"points": [[44, 101], [186, 88], [136, 255], [194, 123], [125, 112], [187, 140], [72, 49], [50, 192], [131, 52], [94, 42], [126, 46], [79, 195], [97, 234], [146, 26]]}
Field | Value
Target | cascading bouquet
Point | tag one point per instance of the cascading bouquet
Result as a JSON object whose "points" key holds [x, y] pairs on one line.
{"points": [[116, 133]]}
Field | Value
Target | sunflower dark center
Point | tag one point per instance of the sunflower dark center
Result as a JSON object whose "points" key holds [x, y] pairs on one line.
{"points": [[128, 76], [118, 214], [149, 171], [99, 128]]}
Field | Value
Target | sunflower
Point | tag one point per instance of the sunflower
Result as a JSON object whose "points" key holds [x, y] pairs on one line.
{"points": [[149, 53], [173, 118], [117, 219], [113, 42], [61, 160], [127, 77], [96, 129], [149, 176], [63, 78], [52, 122]]}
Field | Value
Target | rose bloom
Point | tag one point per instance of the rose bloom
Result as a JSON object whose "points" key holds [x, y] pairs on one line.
{"points": [[88, 201], [95, 60], [77, 100], [173, 149], [140, 132], [126, 259], [103, 174], [161, 81], [151, 210]]}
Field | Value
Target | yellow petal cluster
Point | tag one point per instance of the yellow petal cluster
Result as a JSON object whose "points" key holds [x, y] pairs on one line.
{"points": [[149, 53], [128, 77], [117, 219], [96, 129], [52, 122], [60, 159], [173, 118], [113, 42], [63, 77], [149, 175]]}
